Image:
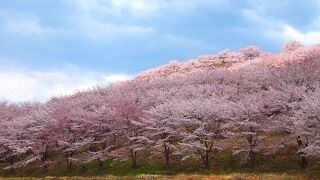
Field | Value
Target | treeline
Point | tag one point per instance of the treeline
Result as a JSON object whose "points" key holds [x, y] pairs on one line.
{"points": [[187, 110]]}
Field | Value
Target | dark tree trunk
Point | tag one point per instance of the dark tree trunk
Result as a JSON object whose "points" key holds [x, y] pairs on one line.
{"points": [[12, 171], [101, 167], [45, 167], [252, 160], [134, 159], [206, 160], [252, 140], [114, 140], [304, 161], [69, 162], [205, 154], [167, 155], [69, 165], [44, 159]]}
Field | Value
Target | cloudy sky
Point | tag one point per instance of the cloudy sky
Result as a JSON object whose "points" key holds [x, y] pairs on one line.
{"points": [[53, 47]]}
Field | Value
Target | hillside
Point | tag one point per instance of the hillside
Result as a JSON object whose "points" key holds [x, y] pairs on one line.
{"points": [[293, 52], [247, 111], [225, 59]]}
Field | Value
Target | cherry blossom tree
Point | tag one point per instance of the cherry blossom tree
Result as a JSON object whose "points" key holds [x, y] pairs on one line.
{"points": [[41, 136], [202, 120], [15, 136], [163, 130], [292, 46], [255, 115], [128, 113], [303, 125], [70, 128], [129, 129], [311, 115]]}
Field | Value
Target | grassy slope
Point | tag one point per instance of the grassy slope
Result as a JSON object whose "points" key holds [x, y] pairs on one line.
{"points": [[224, 164], [185, 177]]}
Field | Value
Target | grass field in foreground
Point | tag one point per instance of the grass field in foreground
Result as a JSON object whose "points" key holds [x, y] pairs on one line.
{"points": [[184, 177], [224, 166]]}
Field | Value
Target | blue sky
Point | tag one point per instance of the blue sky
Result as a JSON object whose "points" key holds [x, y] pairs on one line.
{"points": [[52, 47]]}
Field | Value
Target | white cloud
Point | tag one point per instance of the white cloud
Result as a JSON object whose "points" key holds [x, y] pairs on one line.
{"points": [[280, 31], [24, 26], [142, 8], [27, 26], [308, 38], [260, 19], [25, 85], [137, 8], [108, 19], [100, 20], [116, 78], [88, 18], [186, 41], [103, 20], [253, 15], [102, 30]]}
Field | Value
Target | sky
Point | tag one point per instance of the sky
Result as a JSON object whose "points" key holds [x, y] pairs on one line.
{"points": [[57, 47]]}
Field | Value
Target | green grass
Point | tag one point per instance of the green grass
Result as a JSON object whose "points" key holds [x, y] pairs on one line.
{"points": [[224, 164], [234, 176]]}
